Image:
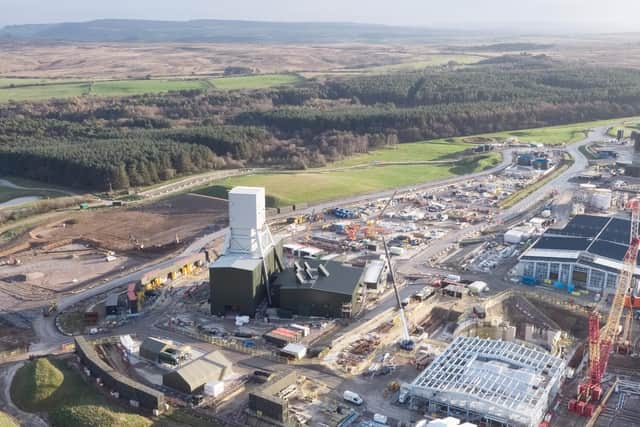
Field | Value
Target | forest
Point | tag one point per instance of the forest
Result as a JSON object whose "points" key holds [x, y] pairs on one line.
{"points": [[115, 143]]}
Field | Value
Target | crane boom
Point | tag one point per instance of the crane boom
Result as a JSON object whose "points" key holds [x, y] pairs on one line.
{"points": [[601, 340]]}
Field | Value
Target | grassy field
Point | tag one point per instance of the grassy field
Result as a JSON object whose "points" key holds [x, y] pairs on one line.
{"points": [[431, 61], [553, 135], [50, 386], [14, 89], [630, 125], [48, 91], [438, 149], [140, 87], [8, 193], [256, 82], [320, 186]]}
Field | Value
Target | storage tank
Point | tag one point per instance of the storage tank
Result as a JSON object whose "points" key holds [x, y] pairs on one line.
{"points": [[601, 199]]}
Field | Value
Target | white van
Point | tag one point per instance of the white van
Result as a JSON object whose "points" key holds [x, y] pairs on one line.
{"points": [[352, 397]]}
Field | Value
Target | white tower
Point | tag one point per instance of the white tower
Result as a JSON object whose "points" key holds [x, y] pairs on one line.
{"points": [[248, 230]]}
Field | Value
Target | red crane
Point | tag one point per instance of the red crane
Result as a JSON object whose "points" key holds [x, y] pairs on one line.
{"points": [[601, 340]]}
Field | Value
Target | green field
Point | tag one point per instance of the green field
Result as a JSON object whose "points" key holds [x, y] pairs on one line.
{"points": [[255, 82], [51, 386], [14, 89], [15, 82], [435, 150], [140, 87], [48, 91], [554, 135], [431, 61], [8, 193], [317, 186], [630, 125]]}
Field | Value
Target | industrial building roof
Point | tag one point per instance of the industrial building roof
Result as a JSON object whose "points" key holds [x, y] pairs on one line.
{"points": [[373, 271], [601, 236], [210, 367], [239, 262], [505, 381], [153, 346], [273, 389], [342, 278]]}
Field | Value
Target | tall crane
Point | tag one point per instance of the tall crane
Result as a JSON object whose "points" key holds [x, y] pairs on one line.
{"points": [[406, 343], [600, 341]]}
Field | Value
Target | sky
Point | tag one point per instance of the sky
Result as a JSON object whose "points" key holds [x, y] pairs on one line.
{"points": [[598, 15]]}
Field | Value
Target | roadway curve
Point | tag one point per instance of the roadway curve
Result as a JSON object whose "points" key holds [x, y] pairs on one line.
{"points": [[560, 183]]}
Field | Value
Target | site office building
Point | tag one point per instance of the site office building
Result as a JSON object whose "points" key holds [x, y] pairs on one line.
{"points": [[238, 279]]}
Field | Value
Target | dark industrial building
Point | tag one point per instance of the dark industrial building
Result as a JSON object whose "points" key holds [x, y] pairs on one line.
{"points": [[240, 277], [315, 288], [192, 377], [238, 282], [271, 401]]}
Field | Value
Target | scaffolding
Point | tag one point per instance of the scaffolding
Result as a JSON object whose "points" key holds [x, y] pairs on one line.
{"points": [[489, 380]]}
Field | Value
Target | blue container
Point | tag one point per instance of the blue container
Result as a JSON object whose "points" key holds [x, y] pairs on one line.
{"points": [[558, 284], [570, 287], [529, 281]]}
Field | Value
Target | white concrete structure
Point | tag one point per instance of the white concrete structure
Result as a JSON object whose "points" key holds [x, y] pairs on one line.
{"points": [[601, 199], [482, 380], [248, 230]]}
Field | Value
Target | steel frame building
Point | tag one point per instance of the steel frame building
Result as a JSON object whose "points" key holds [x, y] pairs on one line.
{"points": [[491, 381]]}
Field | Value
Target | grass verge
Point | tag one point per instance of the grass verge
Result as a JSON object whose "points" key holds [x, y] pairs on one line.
{"points": [[50, 386]]}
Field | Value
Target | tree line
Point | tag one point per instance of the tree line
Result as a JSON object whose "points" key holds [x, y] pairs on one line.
{"points": [[115, 143]]}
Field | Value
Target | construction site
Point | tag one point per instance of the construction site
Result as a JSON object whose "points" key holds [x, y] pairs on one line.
{"points": [[449, 304]]}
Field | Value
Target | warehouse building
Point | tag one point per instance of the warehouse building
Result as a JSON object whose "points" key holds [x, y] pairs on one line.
{"points": [[489, 381], [271, 401], [159, 351], [316, 288], [192, 377], [240, 278], [587, 253]]}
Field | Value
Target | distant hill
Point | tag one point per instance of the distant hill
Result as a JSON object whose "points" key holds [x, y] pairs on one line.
{"points": [[507, 47], [218, 31]]}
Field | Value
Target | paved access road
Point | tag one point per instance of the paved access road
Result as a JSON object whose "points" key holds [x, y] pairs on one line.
{"points": [[560, 183]]}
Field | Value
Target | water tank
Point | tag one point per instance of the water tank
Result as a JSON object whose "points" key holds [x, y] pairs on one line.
{"points": [[601, 199]]}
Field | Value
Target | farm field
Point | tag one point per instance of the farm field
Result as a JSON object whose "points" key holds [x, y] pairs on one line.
{"points": [[47, 91], [39, 89], [50, 386], [255, 82], [312, 187], [434, 150], [430, 61], [141, 87]]}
